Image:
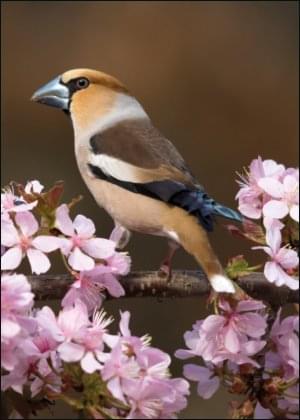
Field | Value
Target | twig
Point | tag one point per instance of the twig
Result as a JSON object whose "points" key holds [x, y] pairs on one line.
{"points": [[182, 284]]}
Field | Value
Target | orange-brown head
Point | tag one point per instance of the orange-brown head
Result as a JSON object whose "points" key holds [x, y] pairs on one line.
{"points": [[85, 94]]}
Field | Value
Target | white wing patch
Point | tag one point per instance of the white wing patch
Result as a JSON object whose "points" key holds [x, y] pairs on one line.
{"points": [[115, 168]]}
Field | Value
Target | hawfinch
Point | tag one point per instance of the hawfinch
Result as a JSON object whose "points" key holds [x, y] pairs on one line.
{"points": [[133, 171]]}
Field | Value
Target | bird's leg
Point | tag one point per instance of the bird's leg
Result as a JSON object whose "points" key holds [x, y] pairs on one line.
{"points": [[120, 235], [165, 269]]}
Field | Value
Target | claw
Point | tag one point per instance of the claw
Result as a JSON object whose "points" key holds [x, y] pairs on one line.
{"points": [[165, 269]]}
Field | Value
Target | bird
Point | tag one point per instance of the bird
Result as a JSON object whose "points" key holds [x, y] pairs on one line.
{"points": [[134, 172]]}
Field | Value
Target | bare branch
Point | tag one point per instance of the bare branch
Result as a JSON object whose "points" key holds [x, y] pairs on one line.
{"points": [[182, 284]]}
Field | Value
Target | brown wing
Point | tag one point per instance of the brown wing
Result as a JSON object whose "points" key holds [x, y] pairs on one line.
{"points": [[139, 143]]}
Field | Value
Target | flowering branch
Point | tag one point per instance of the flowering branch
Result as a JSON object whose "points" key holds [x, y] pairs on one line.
{"points": [[248, 346], [183, 284]]}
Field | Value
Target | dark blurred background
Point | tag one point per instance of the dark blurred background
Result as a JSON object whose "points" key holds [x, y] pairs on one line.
{"points": [[220, 79]]}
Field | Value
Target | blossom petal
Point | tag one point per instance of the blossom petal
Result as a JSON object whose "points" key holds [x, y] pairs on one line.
{"points": [[46, 243], [231, 340], [39, 262], [9, 329], [206, 389], [12, 258], [272, 168], [271, 186], [271, 271], [99, 247], [270, 223], [84, 227], [273, 238], [291, 282], [27, 223], [249, 305], [184, 354], [124, 324], [254, 325], [47, 320], [294, 212], [250, 210], [79, 261], [65, 245], [89, 364], [290, 183], [9, 234], [288, 258], [275, 209], [253, 346], [70, 352], [63, 221], [195, 373], [213, 323]]}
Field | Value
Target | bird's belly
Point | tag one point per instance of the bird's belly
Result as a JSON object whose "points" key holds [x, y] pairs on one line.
{"points": [[134, 211]]}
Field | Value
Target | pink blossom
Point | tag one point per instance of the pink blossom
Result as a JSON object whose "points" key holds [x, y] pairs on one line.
{"points": [[117, 368], [16, 302], [17, 377], [155, 399], [281, 259], [21, 242], [208, 382], [81, 247], [12, 203], [251, 196], [285, 337], [132, 364], [80, 339], [234, 336], [69, 323], [285, 197], [90, 284]]}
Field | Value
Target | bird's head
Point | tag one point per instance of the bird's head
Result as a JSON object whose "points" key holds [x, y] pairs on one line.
{"points": [[83, 93]]}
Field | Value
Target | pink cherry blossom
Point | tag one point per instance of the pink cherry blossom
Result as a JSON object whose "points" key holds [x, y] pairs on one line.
{"points": [[282, 259], [155, 399], [16, 302], [285, 337], [90, 284], [80, 339], [12, 203], [234, 335], [138, 375], [208, 382], [251, 196], [285, 197], [81, 247], [20, 241]]}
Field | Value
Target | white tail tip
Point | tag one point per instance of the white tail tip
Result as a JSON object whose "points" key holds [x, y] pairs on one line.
{"points": [[222, 284]]}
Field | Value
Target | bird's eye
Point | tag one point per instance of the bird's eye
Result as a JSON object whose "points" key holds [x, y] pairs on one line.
{"points": [[82, 83]]}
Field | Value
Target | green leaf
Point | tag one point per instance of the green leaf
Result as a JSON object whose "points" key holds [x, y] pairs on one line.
{"points": [[238, 267]]}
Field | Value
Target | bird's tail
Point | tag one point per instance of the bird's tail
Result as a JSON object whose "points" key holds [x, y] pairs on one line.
{"points": [[203, 207], [192, 236], [219, 210]]}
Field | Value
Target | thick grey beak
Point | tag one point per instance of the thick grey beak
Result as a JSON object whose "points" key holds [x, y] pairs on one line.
{"points": [[54, 93]]}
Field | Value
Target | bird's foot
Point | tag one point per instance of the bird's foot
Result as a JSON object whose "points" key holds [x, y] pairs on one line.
{"points": [[165, 270]]}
